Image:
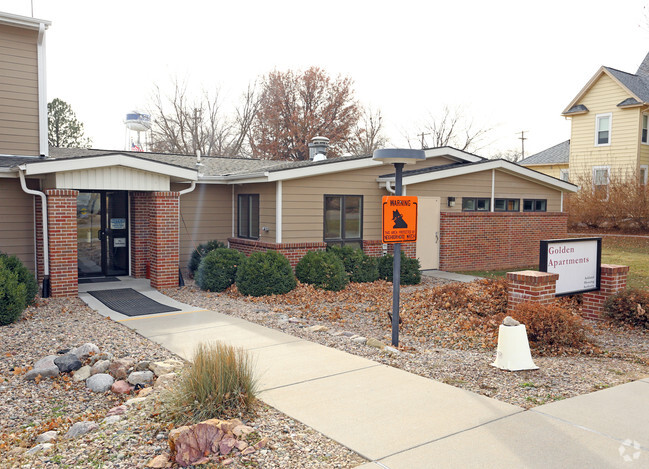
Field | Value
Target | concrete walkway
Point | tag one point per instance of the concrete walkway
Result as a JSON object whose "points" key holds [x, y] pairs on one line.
{"points": [[398, 420]]}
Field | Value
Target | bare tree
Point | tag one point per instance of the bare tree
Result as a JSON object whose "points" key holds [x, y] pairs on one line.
{"points": [[367, 135], [512, 155], [450, 128]]}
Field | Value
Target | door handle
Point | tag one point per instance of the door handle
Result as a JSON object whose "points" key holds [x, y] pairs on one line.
{"points": [[100, 234], [436, 237]]}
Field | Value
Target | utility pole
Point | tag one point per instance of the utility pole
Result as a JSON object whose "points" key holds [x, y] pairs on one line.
{"points": [[422, 139], [522, 139]]}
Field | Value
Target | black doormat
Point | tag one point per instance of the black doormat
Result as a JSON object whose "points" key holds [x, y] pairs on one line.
{"points": [[129, 302], [98, 279]]}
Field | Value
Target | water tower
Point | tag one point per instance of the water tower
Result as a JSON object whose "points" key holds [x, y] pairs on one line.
{"points": [[138, 123]]}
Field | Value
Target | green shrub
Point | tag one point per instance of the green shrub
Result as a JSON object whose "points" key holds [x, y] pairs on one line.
{"points": [[24, 276], [265, 273], [359, 266], [323, 270], [410, 274], [218, 269], [200, 252], [630, 306], [220, 381], [13, 298]]}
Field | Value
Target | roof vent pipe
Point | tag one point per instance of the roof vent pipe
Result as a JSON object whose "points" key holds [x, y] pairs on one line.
{"points": [[318, 148]]}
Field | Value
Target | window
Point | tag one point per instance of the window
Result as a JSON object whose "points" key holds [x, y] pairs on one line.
{"points": [[600, 181], [476, 204], [248, 226], [565, 175], [645, 124], [343, 220], [644, 169], [507, 205], [603, 129], [535, 205]]}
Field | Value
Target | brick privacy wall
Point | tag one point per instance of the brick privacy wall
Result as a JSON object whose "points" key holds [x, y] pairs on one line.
{"points": [[530, 286], [62, 232], [612, 281], [374, 248], [496, 240], [292, 251], [140, 213], [164, 247]]}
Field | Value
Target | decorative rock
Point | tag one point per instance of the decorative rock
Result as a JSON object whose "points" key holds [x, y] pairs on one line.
{"points": [[359, 340], [510, 321], [102, 356], [165, 367], [375, 343], [81, 428], [40, 447], [82, 374], [85, 351], [47, 436], [119, 410], [142, 366], [101, 382], [145, 392], [165, 381], [68, 362], [140, 377], [159, 461], [46, 362], [242, 430], [347, 334], [295, 320], [121, 387], [134, 401], [119, 368], [112, 419], [100, 366], [227, 444], [45, 368], [392, 350], [317, 328]]}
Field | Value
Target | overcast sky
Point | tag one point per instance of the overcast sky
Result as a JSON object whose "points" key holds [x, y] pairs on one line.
{"points": [[511, 65]]}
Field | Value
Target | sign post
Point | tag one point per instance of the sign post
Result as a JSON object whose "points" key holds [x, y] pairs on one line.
{"points": [[400, 223]]}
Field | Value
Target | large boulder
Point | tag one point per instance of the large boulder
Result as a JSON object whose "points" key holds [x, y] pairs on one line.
{"points": [[119, 368], [165, 367], [85, 351], [81, 428], [81, 374], [100, 366], [68, 362], [101, 382], [141, 377], [45, 368]]}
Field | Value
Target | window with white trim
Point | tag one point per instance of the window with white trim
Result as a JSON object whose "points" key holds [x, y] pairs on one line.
{"points": [[535, 205], [565, 175], [601, 178], [644, 170], [248, 219], [603, 129], [645, 125]]}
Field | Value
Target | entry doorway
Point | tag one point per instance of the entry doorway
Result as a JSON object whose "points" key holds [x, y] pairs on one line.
{"points": [[428, 232], [102, 233]]}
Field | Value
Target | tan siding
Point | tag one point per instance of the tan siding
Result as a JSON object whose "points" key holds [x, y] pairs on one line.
{"points": [[622, 154], [267, 193], [553, 170], [18, 91], [17, 228]]}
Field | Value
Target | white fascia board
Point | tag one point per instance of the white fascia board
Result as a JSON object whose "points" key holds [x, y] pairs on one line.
{"points": [[453, 153], [507, 166], [76, 164], [319, 170], [25, 22]]}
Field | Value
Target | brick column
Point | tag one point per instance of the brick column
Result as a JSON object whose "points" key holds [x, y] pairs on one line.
{"points": [[613, 280], [39, 238], [140, 214], [62, 231], [530, 286], [163, 239]]}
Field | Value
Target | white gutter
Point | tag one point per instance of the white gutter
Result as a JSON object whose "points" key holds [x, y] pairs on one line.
{"points": [[389, 188], [278, 212], [42, 94], [493, 189], [46, 251]]}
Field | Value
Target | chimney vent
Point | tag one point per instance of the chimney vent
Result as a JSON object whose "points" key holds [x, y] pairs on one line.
{"points": [[318, 148]]}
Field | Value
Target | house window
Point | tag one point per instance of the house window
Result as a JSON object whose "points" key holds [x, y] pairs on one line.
{"points": [[644, 169], [507, 205], [565, 175], [343, 220], [603, 129], [535, 205], [248, 225], [600, 181], [645, 124], [476, 204]]}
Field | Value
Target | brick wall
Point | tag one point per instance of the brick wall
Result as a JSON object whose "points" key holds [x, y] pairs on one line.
{"points": [[498, 240], [612, 281], [530, 286], [62, 232], [163, 245], [140, 212], [292, 251], [374, 248], [39, 238]]}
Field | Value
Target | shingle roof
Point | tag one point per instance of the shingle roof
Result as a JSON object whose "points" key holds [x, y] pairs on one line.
{"points": [[637, 84], [576, 109], [11, 161], [558, 154], [431, 169]]}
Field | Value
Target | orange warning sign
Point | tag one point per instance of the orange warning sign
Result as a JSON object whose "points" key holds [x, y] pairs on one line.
{"points": [[399, 219]]}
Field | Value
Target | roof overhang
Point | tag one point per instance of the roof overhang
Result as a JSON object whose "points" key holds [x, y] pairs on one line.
{"points": [[502, 165], [25, 22]]}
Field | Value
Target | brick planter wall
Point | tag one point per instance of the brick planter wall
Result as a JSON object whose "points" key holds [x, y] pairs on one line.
{"points": [[374, 248], [62, 232], [613, 280], [498, 240], [292, 251], [163, 243], [530, 286]]}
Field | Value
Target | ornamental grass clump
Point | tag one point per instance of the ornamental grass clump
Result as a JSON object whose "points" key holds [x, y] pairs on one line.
{"points": [[219, 383], [629, 306]]}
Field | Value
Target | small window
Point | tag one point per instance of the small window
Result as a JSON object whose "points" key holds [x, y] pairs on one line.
{"points": [[476, 204], [644, 169], [645, 124], [535, 205], [565, 175], [603, 129], [600, 181], [507, 205], [248, 223], [343, 220]]}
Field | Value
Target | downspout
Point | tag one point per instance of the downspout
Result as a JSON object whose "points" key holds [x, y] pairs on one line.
{"points": [[278, 212], [388, 187], [493, 189], [192, 186], [46, 252]]}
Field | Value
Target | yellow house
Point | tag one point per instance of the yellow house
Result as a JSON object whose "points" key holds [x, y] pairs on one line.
{"points": [[553, 161]]}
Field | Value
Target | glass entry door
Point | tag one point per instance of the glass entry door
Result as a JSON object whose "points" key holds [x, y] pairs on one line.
{"points": [[102, 233]]}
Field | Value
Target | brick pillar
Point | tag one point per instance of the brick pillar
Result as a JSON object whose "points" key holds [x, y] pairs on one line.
{"points": [[62, 231], [163, 239], [613, 280], [530, 286], [39, 238], [140, 214]]}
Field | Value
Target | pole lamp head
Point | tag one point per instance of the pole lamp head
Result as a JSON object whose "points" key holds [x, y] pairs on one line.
{"points": [[398, 155]]}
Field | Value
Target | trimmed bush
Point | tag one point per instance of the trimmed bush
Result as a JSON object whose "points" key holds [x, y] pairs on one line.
{"points": [[265, 273], [24, 276], [410, 274], [220, 381], [323, 270], [200, 252], [218, 269], [359, 266], [13, 297], [630, 306]]}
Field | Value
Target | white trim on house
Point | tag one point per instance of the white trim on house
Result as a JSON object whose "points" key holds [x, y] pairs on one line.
{"points": [[566, 173], [646, 173], [278, 212], [644, 126], [598, 118], [25, 22]]}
